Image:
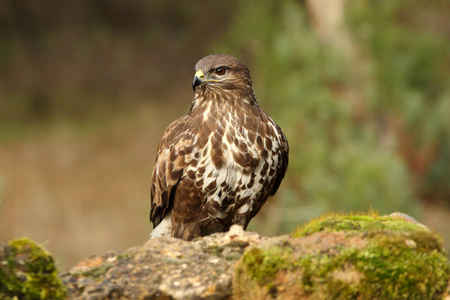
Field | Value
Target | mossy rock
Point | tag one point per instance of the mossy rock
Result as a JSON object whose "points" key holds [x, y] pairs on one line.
{"points": [[347, 257], [28, 272], [359, 222]]}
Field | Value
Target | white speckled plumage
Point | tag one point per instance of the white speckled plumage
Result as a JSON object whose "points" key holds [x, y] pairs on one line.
{"points": [[217, 166]]}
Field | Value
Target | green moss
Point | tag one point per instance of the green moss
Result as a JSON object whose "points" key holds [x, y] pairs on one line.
{"points": [[97, 271], [356, 223], [390, 267], [123, 255], [405, 271], [233, 256], [28, 272], [399, 260], [216, 250], [262, 265]]}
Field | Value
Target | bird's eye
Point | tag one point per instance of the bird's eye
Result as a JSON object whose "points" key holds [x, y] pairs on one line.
{"points": [[220, 71]]}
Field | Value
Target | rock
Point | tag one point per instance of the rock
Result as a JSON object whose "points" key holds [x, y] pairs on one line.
{"points": [[333, 257], [164, 268], [338, 256]]}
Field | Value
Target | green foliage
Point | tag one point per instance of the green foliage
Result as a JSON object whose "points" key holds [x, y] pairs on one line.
{"points": [[411, 79], [28, 272], [360, 121]]}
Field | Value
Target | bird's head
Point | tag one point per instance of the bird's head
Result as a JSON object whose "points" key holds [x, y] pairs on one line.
{"points": [[221, 72]]}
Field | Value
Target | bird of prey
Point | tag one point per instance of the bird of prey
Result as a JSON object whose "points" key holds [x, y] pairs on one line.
{"points": [[217, 165]]}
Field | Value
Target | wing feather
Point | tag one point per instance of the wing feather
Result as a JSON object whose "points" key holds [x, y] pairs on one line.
{"points": [[275, 131], [172, 156], [284, 149]]}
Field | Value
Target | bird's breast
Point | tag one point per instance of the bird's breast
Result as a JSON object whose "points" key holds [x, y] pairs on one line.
{"points": [[236, 157]]}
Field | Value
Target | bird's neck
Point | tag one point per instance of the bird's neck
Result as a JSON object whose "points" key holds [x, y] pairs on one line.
{"points": [[229, 101]]}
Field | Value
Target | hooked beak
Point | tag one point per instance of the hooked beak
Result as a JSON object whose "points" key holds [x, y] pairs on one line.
{"points": [[199, 78]]}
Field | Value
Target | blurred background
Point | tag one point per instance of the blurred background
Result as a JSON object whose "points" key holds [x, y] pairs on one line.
{"points": [[361, 88]]}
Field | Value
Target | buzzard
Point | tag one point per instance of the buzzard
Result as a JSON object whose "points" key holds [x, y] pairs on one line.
{"points": [[217, 165]]}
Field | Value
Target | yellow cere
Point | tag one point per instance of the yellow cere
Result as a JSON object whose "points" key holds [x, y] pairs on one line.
{"points": [[199, 74]]}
